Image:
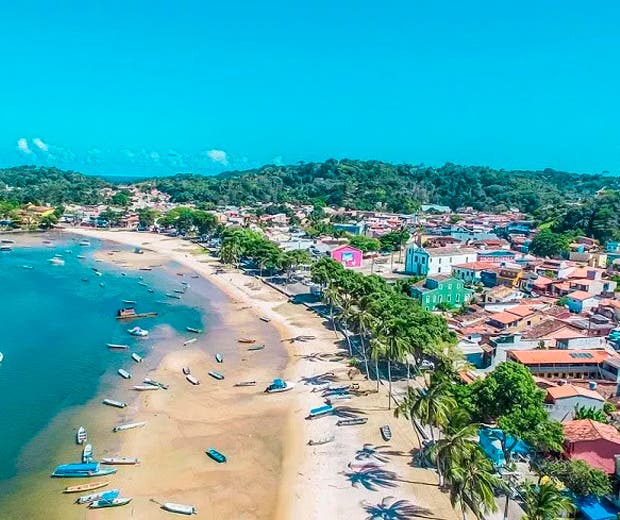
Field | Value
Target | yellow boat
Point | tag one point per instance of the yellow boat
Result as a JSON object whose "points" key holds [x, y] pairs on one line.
{"points": [[86, 487]]}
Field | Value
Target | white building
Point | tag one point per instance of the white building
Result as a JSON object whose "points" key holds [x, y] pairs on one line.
{"points": [[439, 260]]}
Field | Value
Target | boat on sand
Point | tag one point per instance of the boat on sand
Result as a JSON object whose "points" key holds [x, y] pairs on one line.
{"points": [[216, 375], [123, 373], [87, 453], [219, 358], [128, 426], [352, 422], [386, 432], [86, 487], [80, 435], [193, 380], [256, 347], [279, 385], [216, 455], [194, 330], [145, 388], [116, 404], [321, 440], [187, 371], [246, 340], [182, 509], [320, 411], [152, 382], [81, 470], [107, 495], [137, 358], [112, 502], [246, 383], [117, 461], [189, 342]]}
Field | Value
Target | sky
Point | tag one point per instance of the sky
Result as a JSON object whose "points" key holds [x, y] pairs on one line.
{"points": [[154, 88]]}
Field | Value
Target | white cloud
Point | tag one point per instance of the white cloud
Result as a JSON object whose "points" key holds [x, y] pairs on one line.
{"points": [[40, 144], [22, 146], [218, 156]]}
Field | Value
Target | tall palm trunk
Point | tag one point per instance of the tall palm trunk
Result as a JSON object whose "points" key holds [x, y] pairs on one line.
{"points": [[389, 367], [364, 355], [377, 372]]}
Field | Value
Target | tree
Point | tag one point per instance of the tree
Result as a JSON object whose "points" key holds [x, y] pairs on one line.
{"points": [[48, 221], [578, 476], [585, 412], [146, 217], [543, 501], [204, 222], [547, 243]]}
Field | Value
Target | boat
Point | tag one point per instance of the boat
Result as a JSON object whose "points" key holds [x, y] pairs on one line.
{"points": [[193, 380], [146, 268], [219, 358], [192, 329], [320, 411], [85, 243], [216, 455], [179, 291], [256, 347], [186, 371], [143, 284], [86, 487], [113, 502], [386, 432], [265, 319], [152, 382], [144, 388], [7, 241], [81, 436], [116, 346], [129, 302], [338, 397], [81, 257], [81, 470], [170, 295], [1, 357], [116, 404], [123, 373], [137, 331], [279, 385], [246, 383], [87, 453], [136, 358], [27, 267], [120, 461], [150, 290], [182, 509], [352, 422], [189, 342], [195, 276], [128, 426], [56, 261], [322, 440], [107, 495], [246, 340], [6, 248], [129, 313], [216, 375]]}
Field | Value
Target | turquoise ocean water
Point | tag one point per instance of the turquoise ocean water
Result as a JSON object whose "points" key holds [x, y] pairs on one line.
{"points": [[54, 327]]}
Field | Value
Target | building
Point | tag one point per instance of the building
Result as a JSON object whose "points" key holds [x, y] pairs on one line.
{"points": [[579, 301], [354, 228], [593, 442], [441, 289], [562, 400], [498, 256], [432, 261], [566, 364], [347, 255], [472, 272]]}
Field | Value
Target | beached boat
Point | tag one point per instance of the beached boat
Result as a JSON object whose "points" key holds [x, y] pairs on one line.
{"points": [[175, 296], [192, 329], [265, 319], [86, 487], [7, 241], [117, 346], [246, 340], [80, 435], [87, 453], [320, 411], [6, 248], [123, 373], [338, 397], [216, 455], [216, 375], [279, 385], [322, 440], [129, 302], [186, 371], [152, 382], [189, 342], [246, 383], [137, 358], [128, 426], [84, 243], [193, 380], [145, 388], [115, 404], [182, 509], [386, 432], [256, 347], [129, 313], [113, 502], [219, 358], [120, 461], [138, 332], [195, 276], [352, 422], [81, 470], [103, 495], [146, 268]]}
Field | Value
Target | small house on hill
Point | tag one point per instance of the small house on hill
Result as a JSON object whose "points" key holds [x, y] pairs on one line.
{"points": [[347, 255]]}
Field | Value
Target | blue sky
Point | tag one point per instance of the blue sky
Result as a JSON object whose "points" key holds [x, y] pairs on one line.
{"points": [[162, 87]]}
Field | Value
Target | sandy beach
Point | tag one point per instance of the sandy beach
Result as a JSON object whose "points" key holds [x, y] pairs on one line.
{"points": [[272, 472]]}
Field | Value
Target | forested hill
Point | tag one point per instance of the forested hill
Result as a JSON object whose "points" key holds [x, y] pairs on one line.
{"points": [[372, 184]]}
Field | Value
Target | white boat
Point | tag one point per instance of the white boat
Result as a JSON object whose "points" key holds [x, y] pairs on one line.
{"points": [[137, 358], [56, 261], [116, 346], [144, 388], [84, 243], [87, 453], [189, 342], [193, 380], [137, 331], [81, 257], [321, 440], [115, 502], [87, 499], [116, 404], [117, 461], [81, 436], [219, 358], [27, 267], [123, 373], [279, 385], [128, 426], [152, 382], [1, 357], [340, 397], [98, 273], [182, 509]]}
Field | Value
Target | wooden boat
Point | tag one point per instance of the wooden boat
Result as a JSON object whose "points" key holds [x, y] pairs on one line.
{"points": [[87, 453], [322, 440], [152, 382], [279, 385], [86, 487], [386, 432], [320, 411], [193, 380], [137, 331], [216, 375], [189, 342], [136, 358], [256, 347], [338, 397], [219, 358], [120, 461], [175, 296], [129, 313], [123, 373], [192, 329], [352, 422], [115, 346], [116, 404], [114, 502], [186, 371], [265, 319], [246, 340], [81, 470], [81, 436], [108, 495], [145, 388], [216, 455], [128, 426], [182, 509], [246, 383]]}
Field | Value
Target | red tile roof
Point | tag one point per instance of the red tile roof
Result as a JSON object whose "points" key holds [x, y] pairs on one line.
{"points": [[505, 317], [587, 431], [546, 357], [565, 391], [521, 310], [580, 295]]}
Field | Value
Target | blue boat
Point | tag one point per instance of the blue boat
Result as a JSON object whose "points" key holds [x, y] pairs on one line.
{"points": [[216, 455], [80, 470], [321, 410]]}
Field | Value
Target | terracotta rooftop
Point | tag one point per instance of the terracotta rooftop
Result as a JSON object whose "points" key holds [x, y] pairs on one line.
{"points": [[549, 357], [476, 266], [580, 295], [544, 328], [583, 281], [566, 391], [587, 431], [505, 317], [521, 310]]}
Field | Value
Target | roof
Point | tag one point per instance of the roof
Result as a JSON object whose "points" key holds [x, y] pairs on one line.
{"points": [[448, 251], [505, 317], [567, 391], [521, 310], [345, 246], [580, 295], [586, 431], [475, 266], [545, 357], [583, 281]]}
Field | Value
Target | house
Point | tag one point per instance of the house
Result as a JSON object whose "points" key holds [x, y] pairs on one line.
{"points": [[347, 255], [432, 261], [509, 276], [593, 442], [354, 228], [562, 400], [497, 257], [471, 272], [579, 301], [441, 289], [565, 364]]}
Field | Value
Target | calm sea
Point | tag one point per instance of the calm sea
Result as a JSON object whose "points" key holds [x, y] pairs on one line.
{"points": [[55, 322]]}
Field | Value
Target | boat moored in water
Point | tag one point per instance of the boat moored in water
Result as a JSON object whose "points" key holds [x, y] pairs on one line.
{"points": [[183, 509], [128, 426], [80, 435], [138, 332], [84, 243], [113, 502], [116, 404], [279, 385], [193, 329], [129, 313], [81, 470], [116, 346], [123, 373], [137, 358]]}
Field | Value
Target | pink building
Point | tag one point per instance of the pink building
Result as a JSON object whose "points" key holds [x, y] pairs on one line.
{"points": [[347, 255]]}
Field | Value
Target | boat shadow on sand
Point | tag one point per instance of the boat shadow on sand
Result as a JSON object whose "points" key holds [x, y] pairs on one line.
{"points": [[392, 509]]}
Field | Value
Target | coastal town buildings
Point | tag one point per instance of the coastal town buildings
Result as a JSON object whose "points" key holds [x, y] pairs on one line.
{"points": [[433, 261], [441, 291]]}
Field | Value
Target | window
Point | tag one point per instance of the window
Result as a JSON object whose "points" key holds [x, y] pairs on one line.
{"points": [[439, 270], [457, 298]]}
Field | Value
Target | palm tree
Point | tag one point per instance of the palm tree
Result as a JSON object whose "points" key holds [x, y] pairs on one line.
{"points": [[363, 321], [393, 348], [377, 352], [330, 295], [230, 252], [545, 502], [345, 303]]}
